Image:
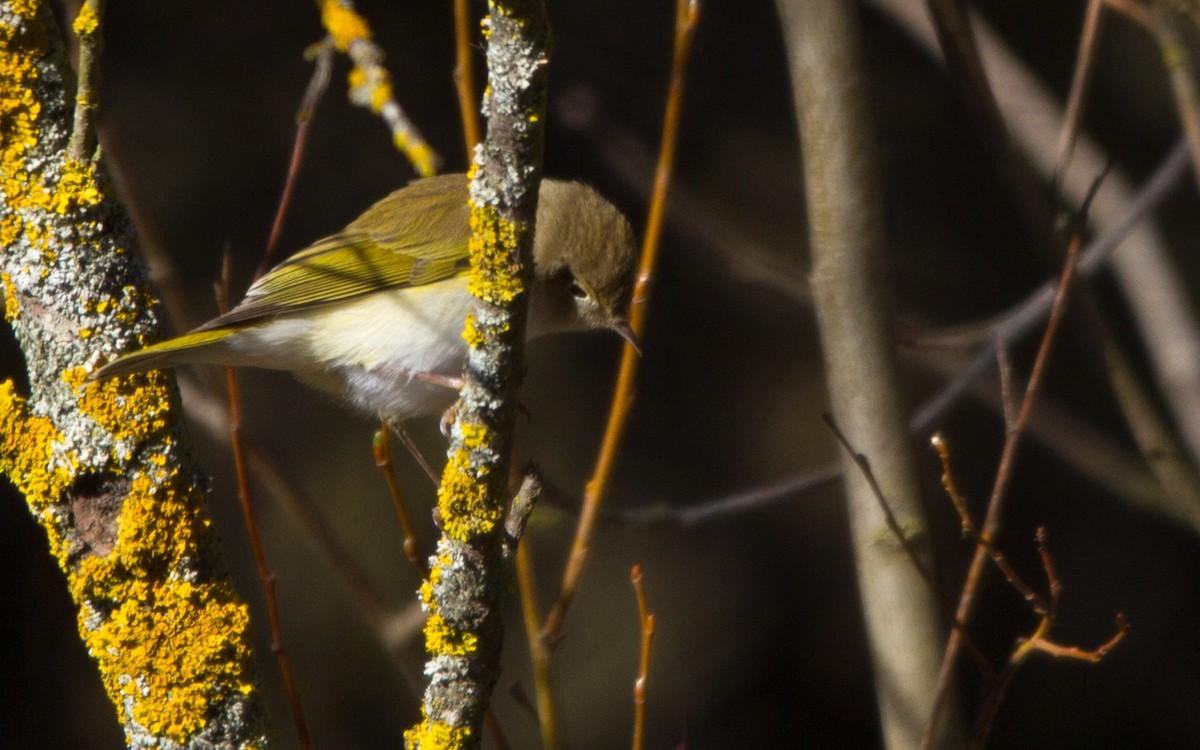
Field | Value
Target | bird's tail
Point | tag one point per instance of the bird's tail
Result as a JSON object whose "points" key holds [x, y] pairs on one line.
{"points": [[190, 348]]}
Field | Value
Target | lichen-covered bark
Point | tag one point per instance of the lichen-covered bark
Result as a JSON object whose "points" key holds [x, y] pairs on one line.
{"points": [[463, 632], [100, 464]]}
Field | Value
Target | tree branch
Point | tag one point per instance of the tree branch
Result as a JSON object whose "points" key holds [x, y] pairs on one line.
{"points": [[464, 629], [101, 464]]}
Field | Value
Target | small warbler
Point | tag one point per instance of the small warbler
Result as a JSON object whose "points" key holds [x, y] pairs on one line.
{"points": [[374, 314]]}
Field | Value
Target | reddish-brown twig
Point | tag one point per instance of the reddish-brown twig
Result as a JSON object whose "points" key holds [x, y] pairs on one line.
{"points": [[1084, 60], [1026, 591], [687, 13], [322, 55], [464, 76], [265, 575], [1004, 470], [1039, 641], [647, 622]]}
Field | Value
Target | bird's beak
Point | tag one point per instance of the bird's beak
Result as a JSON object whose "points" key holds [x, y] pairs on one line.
{"points": [[622, 327]]}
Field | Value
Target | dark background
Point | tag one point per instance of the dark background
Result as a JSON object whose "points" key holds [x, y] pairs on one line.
{"points": [[760, 642]]}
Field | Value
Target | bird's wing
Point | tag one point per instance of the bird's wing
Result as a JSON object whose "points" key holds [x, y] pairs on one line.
{"points": [[419, 239]]}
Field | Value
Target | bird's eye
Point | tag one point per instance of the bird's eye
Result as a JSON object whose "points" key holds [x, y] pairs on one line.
{"points": [[576, 291]]}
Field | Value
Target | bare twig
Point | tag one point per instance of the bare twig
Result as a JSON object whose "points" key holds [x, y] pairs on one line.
{"points": [[1023, 317], [322, 56], [1182, 74], [266, 576], [1026, 591], [687, 13], [464, 75], [647, 622], [1039, 642], [1079, 85], [87, 28], [539, 650], [1004, 471], [381, 448]]}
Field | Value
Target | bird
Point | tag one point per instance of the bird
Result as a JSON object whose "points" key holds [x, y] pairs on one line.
{"points": [[374, 314]]}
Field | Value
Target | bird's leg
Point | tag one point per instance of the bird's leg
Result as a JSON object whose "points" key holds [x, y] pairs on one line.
{"points": [[398, 430]]}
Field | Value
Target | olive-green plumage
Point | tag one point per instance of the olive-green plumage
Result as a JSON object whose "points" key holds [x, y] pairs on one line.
{"points": [[367, 311]]}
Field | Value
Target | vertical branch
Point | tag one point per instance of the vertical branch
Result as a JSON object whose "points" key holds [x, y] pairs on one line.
{"points": [[687, 13], [463, 632], [1182, 74], [539, 650], [849, 294]]}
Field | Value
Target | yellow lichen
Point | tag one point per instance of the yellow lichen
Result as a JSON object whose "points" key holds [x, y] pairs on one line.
{"points": [[87, 21], [343, 24], [463, 499], [11, 307], [76, 187], [442, 639], [436, 735], [182, 643], [471, 333], [27, 450], [493, 279]]}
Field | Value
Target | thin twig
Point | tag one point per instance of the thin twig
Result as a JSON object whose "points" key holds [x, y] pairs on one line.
{"points": [[914, 555], [1084, 66], [687, 13], [464, 76], [1039, 642], [382, 451], [728, 505], [1004, 471], [87, 28], [1178, 63], [322, 55], [539, 650], [647, 622], [1034, 309], [1134, 11], [266, 576], [1026, 591]]}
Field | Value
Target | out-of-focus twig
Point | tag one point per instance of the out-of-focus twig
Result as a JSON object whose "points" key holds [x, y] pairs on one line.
{"points": [[846, 223], [266, 576], [370, 84], [1182, 74], [1084, 64], [464, 75], [687, 13], [321, 54], [647, 622], [1142, 267], [539, 650]]}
